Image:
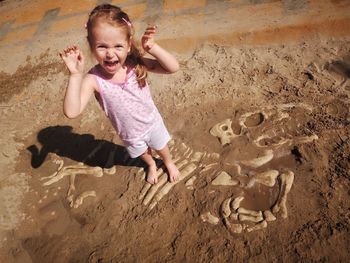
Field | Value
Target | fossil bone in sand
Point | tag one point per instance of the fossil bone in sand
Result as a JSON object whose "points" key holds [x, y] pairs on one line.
{"points": [[261, 225], [224, 178], [286, 184], [267, 178], [234, 228], [208, 217], [259, 161], [225, 208], [189, 183], [269, 216], [79, 201], [242, 217], [236, 202], [73, 169], [244, 211], [223, 131], [163, 178], [168, 186]]}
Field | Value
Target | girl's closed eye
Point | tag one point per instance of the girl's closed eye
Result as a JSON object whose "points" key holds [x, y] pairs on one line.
{"points": [[101, 47]]}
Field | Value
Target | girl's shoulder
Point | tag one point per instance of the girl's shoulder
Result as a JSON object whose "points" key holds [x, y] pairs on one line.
{"points": [[90, 79]]}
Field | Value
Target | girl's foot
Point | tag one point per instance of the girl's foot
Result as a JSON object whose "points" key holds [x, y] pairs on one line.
{"points": [[174, 173], [152, 174]]}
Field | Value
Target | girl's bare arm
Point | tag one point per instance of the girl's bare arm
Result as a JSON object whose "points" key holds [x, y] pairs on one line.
{"points": [[80, 87], [163, 61]]}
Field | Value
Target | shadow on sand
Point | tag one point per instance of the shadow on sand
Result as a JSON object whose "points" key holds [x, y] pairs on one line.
{"points": [[79, 147]]}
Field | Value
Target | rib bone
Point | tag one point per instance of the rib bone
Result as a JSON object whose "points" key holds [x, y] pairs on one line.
{"points": [[162, 180], [225, 208], [236, 202], [167, 187], [286, 184]]}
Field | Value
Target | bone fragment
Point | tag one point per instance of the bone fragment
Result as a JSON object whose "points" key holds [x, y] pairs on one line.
{"points": [[208, 167], [225, 208], [260, 161], [306, 139], [242, 217], [234, 216], [80, 198], [208, 217], [147, 185], [234, 228], [223, 131], [244, 211], [60, 163], [281, 141], [188, 153], [269, 216], [154, 188], [261, 225], [77, 169], [167, 187], [189, 182], [286, 184], [197, 156], [215, 156], [110, 171], [162, 180], [224, 178], [236, 202], [267, 178]]}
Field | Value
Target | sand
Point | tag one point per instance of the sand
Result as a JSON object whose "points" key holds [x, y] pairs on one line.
{"points": [[309, 82]]}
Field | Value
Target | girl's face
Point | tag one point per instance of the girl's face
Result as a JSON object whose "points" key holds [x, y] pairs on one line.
{"points": [[110, 46]]}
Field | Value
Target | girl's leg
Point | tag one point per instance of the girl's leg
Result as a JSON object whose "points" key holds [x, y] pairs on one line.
{"points": [[152, 167], [169, 164]]}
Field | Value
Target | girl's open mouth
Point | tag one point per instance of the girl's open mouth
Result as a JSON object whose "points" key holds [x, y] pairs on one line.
{"points": [[111, 65]]}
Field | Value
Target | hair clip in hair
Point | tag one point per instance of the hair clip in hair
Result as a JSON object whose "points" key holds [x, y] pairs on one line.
{"points": [[127, 22]]}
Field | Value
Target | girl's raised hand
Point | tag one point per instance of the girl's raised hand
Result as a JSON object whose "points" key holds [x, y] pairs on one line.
{"points": [[74, 60], [147, 39]]}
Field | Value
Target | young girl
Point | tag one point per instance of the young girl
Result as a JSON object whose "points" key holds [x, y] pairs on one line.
{"points": [[119, 83]]}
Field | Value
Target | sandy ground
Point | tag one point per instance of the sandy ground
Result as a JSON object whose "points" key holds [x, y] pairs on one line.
{"points": [[289, 108]]}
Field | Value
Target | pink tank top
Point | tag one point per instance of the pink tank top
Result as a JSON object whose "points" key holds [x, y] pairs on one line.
{"points": [[130, 108]]}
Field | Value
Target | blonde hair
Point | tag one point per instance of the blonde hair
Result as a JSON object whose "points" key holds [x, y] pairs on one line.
{"points": [[116, 17]]}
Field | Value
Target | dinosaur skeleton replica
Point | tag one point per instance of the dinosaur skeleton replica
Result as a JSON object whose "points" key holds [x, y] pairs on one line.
{"points": [[271, 131]]}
